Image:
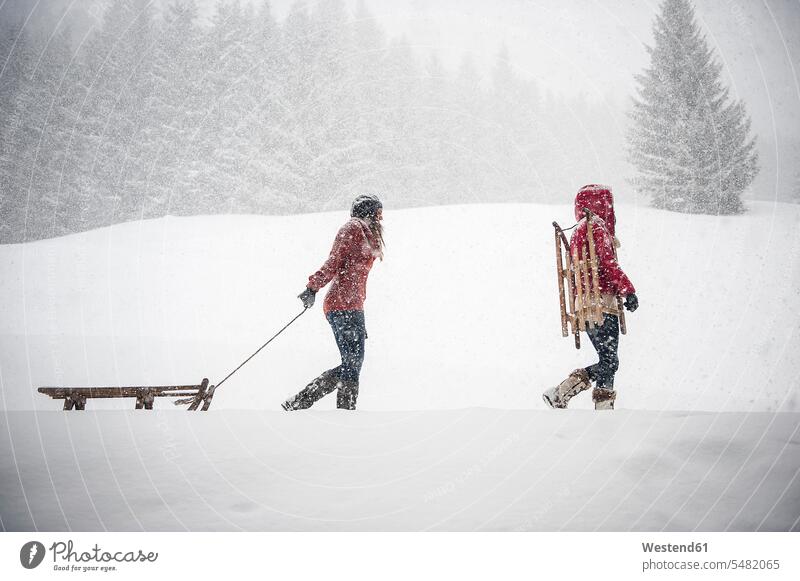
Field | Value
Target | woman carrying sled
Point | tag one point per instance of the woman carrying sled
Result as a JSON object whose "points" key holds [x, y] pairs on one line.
{"points": [[358, 243], [613, 283]]}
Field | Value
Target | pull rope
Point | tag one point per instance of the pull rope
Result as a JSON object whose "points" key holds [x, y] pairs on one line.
{"points": [[260, 348]]}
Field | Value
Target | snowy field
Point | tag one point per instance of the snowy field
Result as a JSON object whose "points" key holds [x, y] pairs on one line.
{"points": [[456, 470], [463, 337]]}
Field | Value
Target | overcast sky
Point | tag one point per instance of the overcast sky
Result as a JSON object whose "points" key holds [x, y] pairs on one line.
{"points": [[589, 46]]}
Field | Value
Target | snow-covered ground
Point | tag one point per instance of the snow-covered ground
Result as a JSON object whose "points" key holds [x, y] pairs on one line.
{"points": [[462, 316], [464, 470], [463, 312]]}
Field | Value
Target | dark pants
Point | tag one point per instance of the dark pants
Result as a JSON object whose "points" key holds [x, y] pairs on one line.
{"points": [[350, 333], [605, 339]]}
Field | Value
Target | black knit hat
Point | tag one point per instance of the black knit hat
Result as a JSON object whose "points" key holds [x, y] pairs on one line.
{"points": [[365, 206]]}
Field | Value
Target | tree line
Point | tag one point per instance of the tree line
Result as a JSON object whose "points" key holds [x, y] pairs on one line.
{"points": [[156, 112]]}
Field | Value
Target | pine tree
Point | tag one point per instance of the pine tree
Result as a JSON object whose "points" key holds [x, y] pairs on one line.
{"points": [[298, 92], [17, 58], [113, 121], [330, 118], [399, 170], [471, 126], [514, 114], [175, 111], [689, 141], [47, 118], [267, 118], [371, 109]]}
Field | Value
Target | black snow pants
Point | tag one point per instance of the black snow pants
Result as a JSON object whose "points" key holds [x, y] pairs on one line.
{"points": [[350, 333], [605, 339]]}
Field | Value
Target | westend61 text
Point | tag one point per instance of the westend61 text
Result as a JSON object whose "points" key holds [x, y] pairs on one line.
{"points": [[96, 554], [670, 548]]}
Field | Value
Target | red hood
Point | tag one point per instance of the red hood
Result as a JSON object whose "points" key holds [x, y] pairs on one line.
{"points": [[599, 200]]}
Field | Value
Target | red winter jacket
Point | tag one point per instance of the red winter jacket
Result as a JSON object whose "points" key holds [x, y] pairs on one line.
{"points": [[349, 263], [600, 202]]}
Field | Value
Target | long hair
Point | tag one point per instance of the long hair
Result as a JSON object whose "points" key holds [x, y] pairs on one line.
{"points": [[377, 231], [366, 207]]}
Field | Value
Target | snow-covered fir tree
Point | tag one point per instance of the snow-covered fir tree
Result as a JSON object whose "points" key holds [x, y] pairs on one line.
{"points": [[690, 141]]}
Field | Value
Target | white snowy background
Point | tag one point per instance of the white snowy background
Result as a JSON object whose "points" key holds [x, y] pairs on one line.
{"points": [[463, 312], [451, 432]]}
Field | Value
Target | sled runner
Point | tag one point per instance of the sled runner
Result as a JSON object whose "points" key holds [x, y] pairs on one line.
{"points": [[583, 305], [193, 395]]}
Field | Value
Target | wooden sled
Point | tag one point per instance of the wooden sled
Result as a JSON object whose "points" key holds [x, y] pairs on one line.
{"points": [[193, 395], [582, 308]]}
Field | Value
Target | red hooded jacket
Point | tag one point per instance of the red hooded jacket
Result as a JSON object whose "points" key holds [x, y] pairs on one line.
{"points": [[354, 250], [600, 202]]}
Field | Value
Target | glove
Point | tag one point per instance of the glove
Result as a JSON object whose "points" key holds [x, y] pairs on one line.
{"points": [[631, 302], [307, 296]]}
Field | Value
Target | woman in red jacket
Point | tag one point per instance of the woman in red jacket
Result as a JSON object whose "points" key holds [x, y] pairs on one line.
{"points": [[358, 243], [613, 282]]}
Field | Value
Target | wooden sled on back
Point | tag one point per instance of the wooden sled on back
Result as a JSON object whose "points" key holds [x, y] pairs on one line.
{"points": [[582, 308]]}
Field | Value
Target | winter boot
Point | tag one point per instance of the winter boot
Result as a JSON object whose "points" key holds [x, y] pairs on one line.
{"points": [[314, 391], [603, 398], [346, 395], [558, 397]]}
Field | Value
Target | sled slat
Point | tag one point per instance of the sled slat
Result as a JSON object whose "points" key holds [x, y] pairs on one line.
{"points": [[571, 289], [579, 298], [561, 275], [587, 291]]}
